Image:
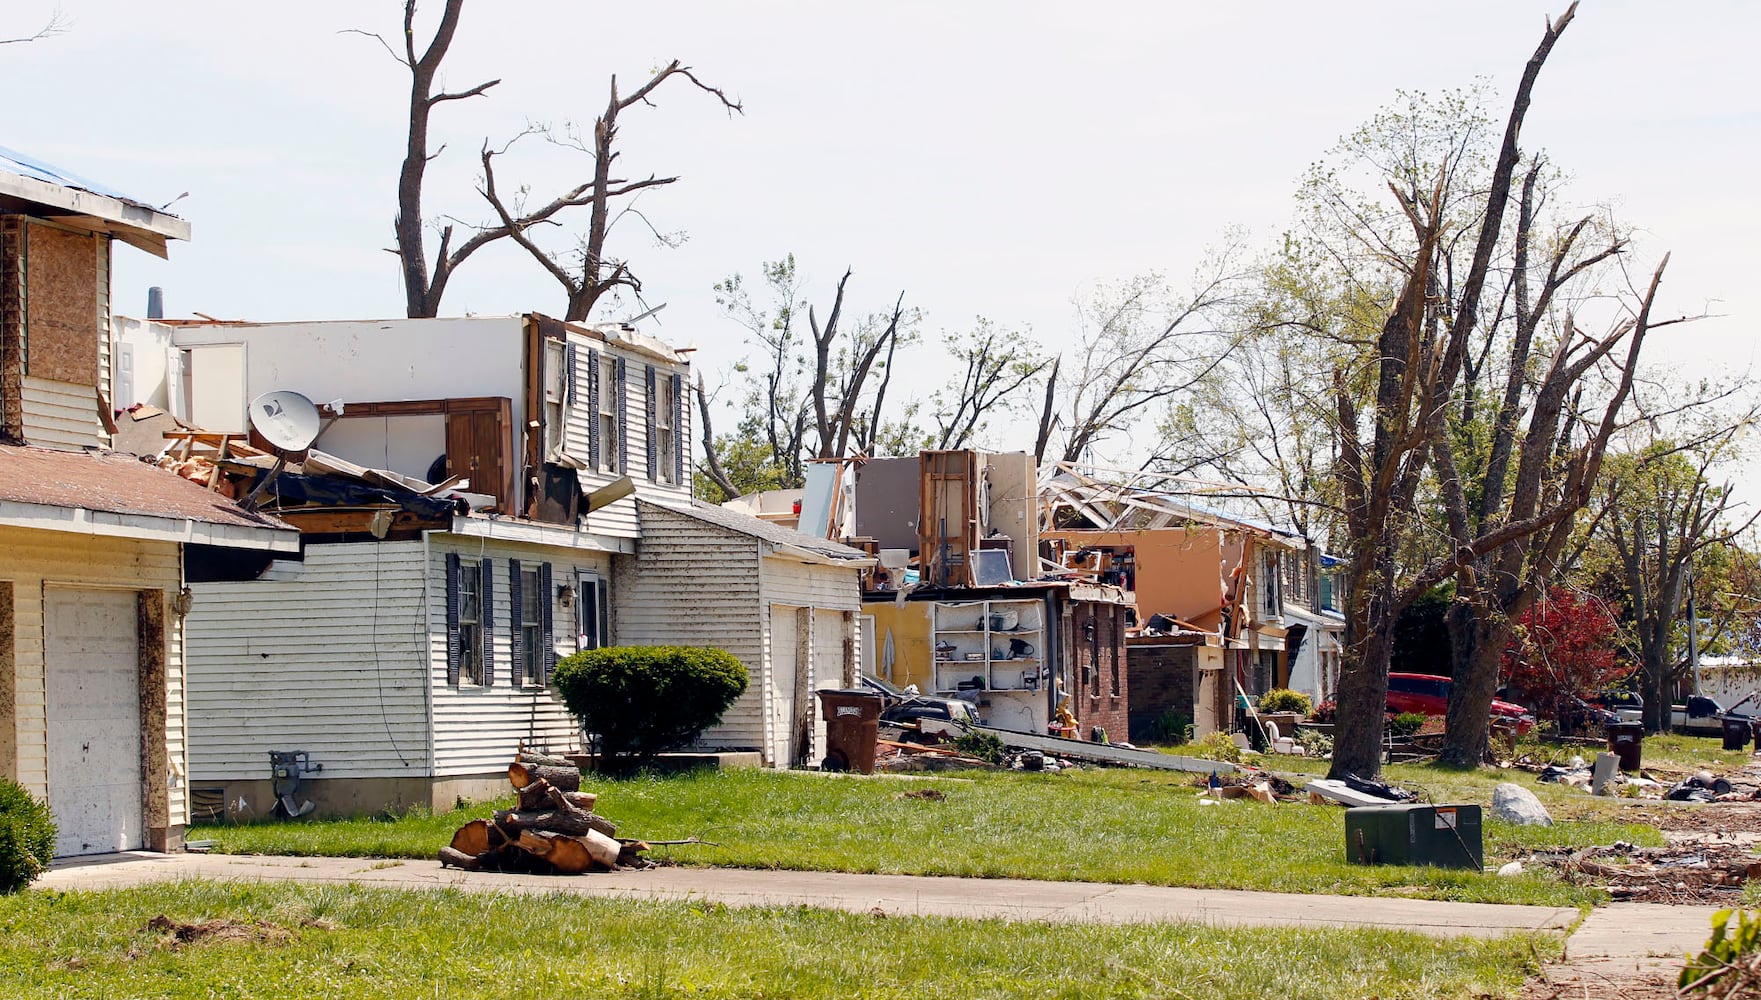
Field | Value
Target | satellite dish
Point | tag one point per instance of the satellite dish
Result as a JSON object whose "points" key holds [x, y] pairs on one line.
{"points": [[286, 419]]}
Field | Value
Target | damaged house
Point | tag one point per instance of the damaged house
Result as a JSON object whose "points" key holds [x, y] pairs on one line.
{"points": [[95, 546], [484, 496], [963, 606], [1227, 605]]}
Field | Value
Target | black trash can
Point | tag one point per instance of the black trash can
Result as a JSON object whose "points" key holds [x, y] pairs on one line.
{"points": [[1623, 741], [852, 725], [1736, 732]]}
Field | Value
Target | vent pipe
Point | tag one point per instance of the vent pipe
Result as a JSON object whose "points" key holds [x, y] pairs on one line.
{"points": [[155, 302]]}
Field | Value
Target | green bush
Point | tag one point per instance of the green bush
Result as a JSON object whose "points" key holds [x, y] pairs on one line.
{"points": [[1216, 746], [27, 837], [1168, 729], [1730, 965], [641, 700], [1406, 723], [1314, 744], [984, 746], [1286, 700]]}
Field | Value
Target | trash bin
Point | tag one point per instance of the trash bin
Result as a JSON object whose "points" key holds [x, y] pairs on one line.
{"points": [[852, 724], [1736, 732], [1623, 741]]}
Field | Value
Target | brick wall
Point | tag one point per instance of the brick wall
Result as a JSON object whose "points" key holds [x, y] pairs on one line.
{"points": [[1162, 680], [1103, 671]]}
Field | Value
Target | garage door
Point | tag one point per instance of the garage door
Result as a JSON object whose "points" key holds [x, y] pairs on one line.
{"points": [[94, 719]]}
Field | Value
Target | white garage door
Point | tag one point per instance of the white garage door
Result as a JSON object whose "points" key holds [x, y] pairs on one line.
{"points": [[94, 717]]}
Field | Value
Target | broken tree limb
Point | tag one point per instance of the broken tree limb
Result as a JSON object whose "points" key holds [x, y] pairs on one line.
{"points": [[452, 857], [566, 778], [574, 823]]}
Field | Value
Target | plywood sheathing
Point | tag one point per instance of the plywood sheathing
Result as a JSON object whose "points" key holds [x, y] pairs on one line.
{"points": [[61, 305]]}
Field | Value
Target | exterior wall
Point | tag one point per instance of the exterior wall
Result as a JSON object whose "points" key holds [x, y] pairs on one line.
{"points": [[694, 584], [1180, 571], [1102, 669], [910, 626], [477, 730], [1164, 680], [36, 558], [60, 414], [323, 655]]}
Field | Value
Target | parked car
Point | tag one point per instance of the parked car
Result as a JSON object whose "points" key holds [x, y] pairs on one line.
{"points": [[1627, 706], [1698, 716], [1428, 694], [911, 710]]}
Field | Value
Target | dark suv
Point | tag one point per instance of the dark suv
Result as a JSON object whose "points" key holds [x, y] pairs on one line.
{"points": [[904, 708]]}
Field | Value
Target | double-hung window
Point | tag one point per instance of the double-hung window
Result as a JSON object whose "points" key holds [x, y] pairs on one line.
{"points": [[610, 446], [470, 624], [530, 669], [592, 607]]}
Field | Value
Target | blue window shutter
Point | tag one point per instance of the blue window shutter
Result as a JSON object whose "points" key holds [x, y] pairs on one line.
{"points": [[452, 619], [516, 634], [593, 442], [620, 417], [486, 618], [678, 431], [653, 440], [547, 623]]}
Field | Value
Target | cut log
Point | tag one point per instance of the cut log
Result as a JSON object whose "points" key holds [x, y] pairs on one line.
{"points": [[604, 849], [569, 855], [584, 801], [574, 823], [566, 778], [545, 759], [535, 796], [453, 857], [473, 838]]}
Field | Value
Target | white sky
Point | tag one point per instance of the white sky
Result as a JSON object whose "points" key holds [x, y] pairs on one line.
{"points": [[987, 158]]}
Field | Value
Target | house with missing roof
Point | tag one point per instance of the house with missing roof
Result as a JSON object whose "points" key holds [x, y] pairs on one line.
{"points": [[98, 551], [484, 496]]}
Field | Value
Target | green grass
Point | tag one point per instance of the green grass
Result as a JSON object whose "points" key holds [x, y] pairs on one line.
{"points": [[1095, 826], [362, 944]]}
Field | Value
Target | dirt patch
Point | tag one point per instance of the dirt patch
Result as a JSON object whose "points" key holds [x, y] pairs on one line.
{"points": [[930, 794], [1588, 981], [178, 934]]}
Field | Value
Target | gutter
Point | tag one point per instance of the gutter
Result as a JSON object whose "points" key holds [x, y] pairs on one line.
{"points": [[148, 527]]}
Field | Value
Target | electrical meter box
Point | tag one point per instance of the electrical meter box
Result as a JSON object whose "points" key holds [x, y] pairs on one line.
{"points": [[1443, 836]]}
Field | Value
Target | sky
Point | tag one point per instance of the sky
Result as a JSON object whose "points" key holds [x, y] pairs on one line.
{"points": [[986, 158]]}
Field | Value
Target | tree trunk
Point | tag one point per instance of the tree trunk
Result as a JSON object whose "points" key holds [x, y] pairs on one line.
{"points": [[1473, 686], [1363, 702]]}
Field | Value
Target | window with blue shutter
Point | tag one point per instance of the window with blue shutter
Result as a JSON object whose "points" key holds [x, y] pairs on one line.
{"points": [[653, 429], [619, 419], [596, 438], [482, 671], [452, 619], [546, 625], [516, 609], [678, 429]]}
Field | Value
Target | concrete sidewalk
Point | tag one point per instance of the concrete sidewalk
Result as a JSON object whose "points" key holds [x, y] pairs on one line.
{"points": [[897, 895]]}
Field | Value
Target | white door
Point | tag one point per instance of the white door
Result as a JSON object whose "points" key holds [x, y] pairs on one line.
{"points": [[92, 659], [783, 642]]}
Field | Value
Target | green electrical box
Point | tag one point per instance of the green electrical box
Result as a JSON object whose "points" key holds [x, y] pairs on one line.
{"points": [[1444, 836]]}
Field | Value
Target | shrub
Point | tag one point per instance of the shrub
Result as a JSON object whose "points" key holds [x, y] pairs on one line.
{"points": [[1314, 744], [641, 700], [1168, 729], [1285, 700], [1730, 965], [984, 746], [1406, 723], [27, 837], [1216, 746]]}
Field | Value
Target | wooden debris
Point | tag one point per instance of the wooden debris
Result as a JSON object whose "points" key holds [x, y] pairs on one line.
{"points": [[554, 829]]}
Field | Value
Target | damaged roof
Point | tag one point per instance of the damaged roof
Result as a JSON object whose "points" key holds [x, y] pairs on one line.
{"points": [[751, 526], [103, 492], [52, 192]]}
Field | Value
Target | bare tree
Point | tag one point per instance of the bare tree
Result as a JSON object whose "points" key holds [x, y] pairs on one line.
{"points": [[585, 282], [585, 272], [57, 24], [996, 364], [1138, 347]]}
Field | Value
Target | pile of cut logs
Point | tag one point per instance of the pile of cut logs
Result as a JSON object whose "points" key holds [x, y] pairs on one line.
{"points": [[552, 830]]}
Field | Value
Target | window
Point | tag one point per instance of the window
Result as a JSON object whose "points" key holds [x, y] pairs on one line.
{"points": [[1113, 647], [592, 612], [468, 603], [1271, 605], [665, 434], [610, 399], [555, 376], [530, 667]]}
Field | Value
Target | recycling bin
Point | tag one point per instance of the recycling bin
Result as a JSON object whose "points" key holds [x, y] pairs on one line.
{"points": [[852, 725], [1624, 739]]}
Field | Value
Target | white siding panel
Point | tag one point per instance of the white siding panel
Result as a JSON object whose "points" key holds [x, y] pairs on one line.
{"points": [[60, 414], [810, 585], [324, 656], [694, 584], [478, 729]]}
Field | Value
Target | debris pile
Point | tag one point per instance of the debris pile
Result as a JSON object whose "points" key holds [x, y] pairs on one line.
{"points": [[1705, 872], [552, 830]]}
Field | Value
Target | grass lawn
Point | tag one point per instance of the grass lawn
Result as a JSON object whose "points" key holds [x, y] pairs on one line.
{"points": [[1095, 826], [356, 943]]}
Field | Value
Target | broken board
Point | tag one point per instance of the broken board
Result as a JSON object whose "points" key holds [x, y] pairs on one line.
{"points": [[1105, 753], [1344, 794]]}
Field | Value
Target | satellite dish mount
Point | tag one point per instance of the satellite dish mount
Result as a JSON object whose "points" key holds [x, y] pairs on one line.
{"points": [[290, 423]]}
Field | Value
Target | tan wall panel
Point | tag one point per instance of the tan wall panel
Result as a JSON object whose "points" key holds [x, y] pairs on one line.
{"points": [[61, 306]]}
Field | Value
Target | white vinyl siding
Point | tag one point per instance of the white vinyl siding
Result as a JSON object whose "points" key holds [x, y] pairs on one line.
{"points": [[695, 584], [323, 655], [38, 558], [618, 519], [477, 730], [60, 414]]}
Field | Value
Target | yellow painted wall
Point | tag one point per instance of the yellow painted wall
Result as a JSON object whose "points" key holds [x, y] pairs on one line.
{"points": [[31, 559], [913, 655], [1180, 571]]}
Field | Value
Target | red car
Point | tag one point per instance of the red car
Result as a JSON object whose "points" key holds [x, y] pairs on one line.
{"points": [[1428, 694]]}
